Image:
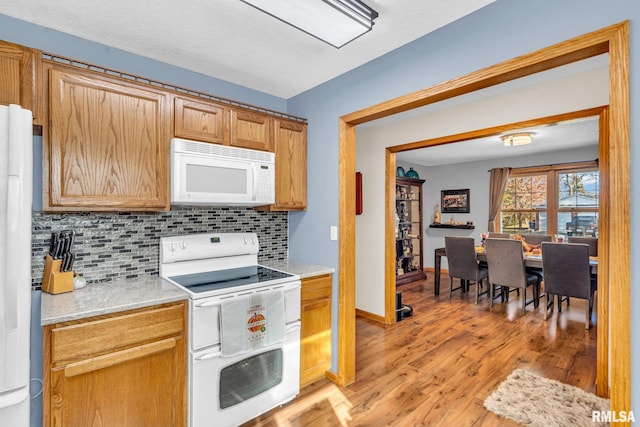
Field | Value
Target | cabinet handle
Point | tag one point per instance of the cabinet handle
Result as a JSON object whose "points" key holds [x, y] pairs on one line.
{"points": [[111, 359]]}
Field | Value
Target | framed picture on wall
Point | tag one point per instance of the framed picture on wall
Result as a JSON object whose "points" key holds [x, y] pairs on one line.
{"points": [[455, 201]]}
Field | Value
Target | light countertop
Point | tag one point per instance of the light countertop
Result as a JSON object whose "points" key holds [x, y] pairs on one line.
{"points": [[302, 269], [102, 298]]}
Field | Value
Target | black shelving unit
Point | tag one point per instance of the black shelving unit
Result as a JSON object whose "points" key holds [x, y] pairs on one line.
{"points": [[409, 230]]}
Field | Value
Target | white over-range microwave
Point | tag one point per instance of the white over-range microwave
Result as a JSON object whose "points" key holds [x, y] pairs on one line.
{"points": [[218, 175]]}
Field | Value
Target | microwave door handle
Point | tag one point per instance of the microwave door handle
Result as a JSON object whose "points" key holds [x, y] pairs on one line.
{"points": [[254, 177]]}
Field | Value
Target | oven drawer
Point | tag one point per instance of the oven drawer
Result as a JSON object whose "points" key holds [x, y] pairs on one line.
{"points": [[205, 313]]}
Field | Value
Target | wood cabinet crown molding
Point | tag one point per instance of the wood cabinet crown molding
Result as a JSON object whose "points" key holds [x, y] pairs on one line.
{"points": [[177, 90]]}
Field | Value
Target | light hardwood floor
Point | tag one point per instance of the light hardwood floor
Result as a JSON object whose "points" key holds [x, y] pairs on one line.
{"points": [[437, 367]]}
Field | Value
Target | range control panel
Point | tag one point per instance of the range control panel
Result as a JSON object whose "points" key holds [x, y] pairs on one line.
{"points": [[193, 247]]}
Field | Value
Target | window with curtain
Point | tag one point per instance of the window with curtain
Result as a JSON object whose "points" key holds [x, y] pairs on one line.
{"points": [[554, 199]]}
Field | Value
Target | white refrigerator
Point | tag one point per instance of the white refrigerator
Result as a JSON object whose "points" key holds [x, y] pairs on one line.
{"points": [[16, 146]]}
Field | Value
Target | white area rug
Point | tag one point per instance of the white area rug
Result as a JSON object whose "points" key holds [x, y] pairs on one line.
{"points": [[531, 400]]}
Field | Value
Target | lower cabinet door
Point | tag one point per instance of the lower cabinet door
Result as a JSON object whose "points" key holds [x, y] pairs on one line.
{"points": [[315, 354], [138, 386]]}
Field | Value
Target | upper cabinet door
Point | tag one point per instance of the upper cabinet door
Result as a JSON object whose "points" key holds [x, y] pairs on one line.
{"points": [[251, 130], [17, 75], [108, 143], [291, 165], [201, 121]]}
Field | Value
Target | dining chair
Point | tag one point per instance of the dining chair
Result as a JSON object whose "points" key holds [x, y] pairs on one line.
{"points": [[536, 239], [463, 264], [567, 274], [505, 259], [494, 235], [591, 241]]}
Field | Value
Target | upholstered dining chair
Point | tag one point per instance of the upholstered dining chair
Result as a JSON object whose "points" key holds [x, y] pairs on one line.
{"points": [[463, 264], [494, 235], [536, 239], [505, 260], [591, 241], [567, 273]]}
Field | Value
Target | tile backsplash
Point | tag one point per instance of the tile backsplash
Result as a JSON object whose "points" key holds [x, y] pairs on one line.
{"points": [[112, 246]]}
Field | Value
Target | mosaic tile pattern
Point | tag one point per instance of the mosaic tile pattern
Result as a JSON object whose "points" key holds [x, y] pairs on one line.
{"points": [[111, 246]]}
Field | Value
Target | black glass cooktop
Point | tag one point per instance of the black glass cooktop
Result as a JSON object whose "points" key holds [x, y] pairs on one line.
{"points": [[216, 280]]}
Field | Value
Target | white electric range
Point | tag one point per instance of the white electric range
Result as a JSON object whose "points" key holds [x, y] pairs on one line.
{"points": [[234, 378]]}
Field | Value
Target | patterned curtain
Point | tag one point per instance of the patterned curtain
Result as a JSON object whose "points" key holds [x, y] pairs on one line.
{"points": [[497, 185]]}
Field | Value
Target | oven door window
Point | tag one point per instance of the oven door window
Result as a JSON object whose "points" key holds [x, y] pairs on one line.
{"points": [[250, 377]]}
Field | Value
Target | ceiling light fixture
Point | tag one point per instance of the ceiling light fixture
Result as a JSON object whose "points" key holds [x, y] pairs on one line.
{"points": [[336, 22], [516, 139]]}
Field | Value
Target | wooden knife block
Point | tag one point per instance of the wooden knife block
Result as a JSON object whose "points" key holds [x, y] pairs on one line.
{"points": [[55, 281]]}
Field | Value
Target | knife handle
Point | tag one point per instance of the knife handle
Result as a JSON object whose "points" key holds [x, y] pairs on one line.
{"points": [[52, 244], [57, 251], [66, 261], [72, 258]]}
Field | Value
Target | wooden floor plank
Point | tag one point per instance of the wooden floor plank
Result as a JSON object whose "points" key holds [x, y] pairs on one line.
{"points": [[437, 367]]}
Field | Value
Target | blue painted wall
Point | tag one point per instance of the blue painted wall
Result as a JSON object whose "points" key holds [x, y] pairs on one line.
{"points": [[500, 31]]}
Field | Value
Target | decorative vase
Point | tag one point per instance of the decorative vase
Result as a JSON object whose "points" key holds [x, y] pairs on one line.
{"points": [[400, 171], [412, 174]]}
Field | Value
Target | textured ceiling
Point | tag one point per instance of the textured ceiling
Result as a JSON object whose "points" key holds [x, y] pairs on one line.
{"points": [[233, 41]]}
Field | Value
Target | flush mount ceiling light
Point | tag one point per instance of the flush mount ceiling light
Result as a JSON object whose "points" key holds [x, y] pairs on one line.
{"points": [[336, 22], [515, 139]]}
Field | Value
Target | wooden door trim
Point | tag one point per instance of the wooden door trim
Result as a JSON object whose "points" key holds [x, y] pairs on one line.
{"points": [[613, 40]]}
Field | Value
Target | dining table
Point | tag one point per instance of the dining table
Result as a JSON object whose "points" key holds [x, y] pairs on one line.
{"points": [[531, 260]]}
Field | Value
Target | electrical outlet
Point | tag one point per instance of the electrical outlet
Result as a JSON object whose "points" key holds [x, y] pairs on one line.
{"points": [[334, 232]]}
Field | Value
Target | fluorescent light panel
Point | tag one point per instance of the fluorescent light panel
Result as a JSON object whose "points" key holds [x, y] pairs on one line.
{"points": [[336, 22]]}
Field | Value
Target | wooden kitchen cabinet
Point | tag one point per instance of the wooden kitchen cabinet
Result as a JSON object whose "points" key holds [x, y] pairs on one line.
{"points": [[251, 130], [106, 134], [125, 369], [201, 121], [18, 75], [108, 144], [291, 166], [315, 335]]}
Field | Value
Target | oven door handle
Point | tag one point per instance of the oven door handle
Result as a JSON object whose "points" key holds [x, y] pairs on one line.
{"points": [[293, 326], [209, 356], [207, 304]]}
